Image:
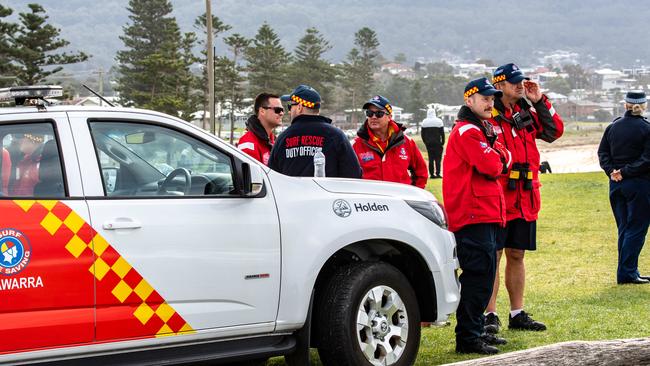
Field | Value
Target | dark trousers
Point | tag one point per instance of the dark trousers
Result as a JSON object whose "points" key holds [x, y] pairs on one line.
{"points": [[435, 158], [630, 200], [476, 248]]}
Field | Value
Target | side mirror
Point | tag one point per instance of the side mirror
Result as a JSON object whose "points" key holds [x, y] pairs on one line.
{"points": [[253, 179]]}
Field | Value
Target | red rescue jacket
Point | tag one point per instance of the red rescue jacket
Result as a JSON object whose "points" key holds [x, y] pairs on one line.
{"points": [[547, 125], [472, 163], [400, 161]]}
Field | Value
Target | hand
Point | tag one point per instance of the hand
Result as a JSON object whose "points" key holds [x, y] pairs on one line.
{"points": [[532, 90], [616, 175]]}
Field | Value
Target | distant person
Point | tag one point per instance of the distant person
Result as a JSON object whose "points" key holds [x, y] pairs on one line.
{"points": [[294, 150], [384, 151], [624, 155], [27, 168], [433, 136], [6, 171], [259, 138], [518, 125], [475, 205]]}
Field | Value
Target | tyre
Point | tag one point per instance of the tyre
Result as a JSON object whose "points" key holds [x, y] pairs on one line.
{"points": [[368, 315]]}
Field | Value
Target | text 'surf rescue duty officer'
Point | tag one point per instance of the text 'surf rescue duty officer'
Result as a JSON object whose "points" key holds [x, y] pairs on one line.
{"points": [[294, 150]]}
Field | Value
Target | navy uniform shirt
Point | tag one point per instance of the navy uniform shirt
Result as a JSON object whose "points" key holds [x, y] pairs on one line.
{"points": [[626, 146], [293, 151]]}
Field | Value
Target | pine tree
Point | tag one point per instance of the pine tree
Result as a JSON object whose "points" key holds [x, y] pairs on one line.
{"points": [[7, 30], [237, 45], [34, 44], [359, 68], [310, 68], [267, 63], [154, 68]]}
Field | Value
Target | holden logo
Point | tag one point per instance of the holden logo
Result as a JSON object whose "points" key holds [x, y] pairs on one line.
{"points": [[341, 208]]}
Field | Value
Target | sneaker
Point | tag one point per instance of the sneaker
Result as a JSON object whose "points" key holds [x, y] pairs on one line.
{"points": [[523, 321], [493, 340], [492, 323], [477, 345]]}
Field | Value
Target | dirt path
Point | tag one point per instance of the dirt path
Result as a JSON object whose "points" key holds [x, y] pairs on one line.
{"points": [[571, 159]]}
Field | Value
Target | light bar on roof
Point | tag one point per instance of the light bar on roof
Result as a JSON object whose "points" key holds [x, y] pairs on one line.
{"points": [[31, 92]]}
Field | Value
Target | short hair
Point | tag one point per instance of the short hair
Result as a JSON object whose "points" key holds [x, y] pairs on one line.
{"points": [[261, 99]]}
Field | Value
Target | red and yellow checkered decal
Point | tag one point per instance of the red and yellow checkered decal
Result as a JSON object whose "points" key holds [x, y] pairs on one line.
{"points": [[127, 306]]}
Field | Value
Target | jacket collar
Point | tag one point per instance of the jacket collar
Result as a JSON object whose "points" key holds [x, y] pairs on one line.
{"points": [[254, 125], [395, 139], [310, 118]]}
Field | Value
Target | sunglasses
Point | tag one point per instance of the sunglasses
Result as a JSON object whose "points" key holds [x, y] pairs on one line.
{"points": [[277, 110], [377, 114], [291, 105]]}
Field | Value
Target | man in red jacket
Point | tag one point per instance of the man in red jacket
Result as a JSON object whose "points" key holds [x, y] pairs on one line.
{"points": [[384, 151], [518, 125], [476, 209], [258, 139]]}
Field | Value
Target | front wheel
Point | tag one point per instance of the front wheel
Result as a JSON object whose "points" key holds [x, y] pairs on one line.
{"points": [[368, 315]]}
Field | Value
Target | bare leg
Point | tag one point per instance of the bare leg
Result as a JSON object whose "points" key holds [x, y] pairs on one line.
{"points": [[515, 277], [492, 305]]}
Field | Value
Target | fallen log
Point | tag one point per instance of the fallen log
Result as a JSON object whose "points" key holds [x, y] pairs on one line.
{"points": [[620, 352]]}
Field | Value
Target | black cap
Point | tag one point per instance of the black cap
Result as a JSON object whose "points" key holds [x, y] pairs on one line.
{"points": [[510, 73], [481, 86], [635, 97]]}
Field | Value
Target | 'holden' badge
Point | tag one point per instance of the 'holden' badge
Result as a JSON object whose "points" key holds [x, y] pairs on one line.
{"points": [[341, 208]]}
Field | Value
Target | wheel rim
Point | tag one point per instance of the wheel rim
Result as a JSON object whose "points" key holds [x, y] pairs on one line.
{"points": [[382, 326]]}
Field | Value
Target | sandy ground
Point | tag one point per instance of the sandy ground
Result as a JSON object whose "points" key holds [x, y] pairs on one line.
{"points": [[571, 159]]}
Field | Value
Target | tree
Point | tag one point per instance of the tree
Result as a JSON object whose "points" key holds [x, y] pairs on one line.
{"points": [[486, 61], [558, 85], [267, 61], [400, 58], [578, 78], [309, 67], [7, 68], [360, 66], [440, 68], [154, 67], [237, 45], [34, 44], [416, 104]]}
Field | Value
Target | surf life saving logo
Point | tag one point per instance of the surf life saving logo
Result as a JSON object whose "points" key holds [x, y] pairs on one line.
{"points": [[15, 251]]}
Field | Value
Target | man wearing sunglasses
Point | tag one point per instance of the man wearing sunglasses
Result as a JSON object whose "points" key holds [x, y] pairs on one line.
{"points": [[309, 133], [384, 151], [258, 139]]}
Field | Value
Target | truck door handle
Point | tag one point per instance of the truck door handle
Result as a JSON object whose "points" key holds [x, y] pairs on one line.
{"points": [[122, 223]]}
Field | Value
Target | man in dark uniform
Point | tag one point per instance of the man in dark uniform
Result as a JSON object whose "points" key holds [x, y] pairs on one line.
{"points": [[624, 155], [433, 136], [476, 209], [294, 150]]}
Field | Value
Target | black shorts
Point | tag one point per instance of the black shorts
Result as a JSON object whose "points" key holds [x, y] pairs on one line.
{"points": [[518, 234]]}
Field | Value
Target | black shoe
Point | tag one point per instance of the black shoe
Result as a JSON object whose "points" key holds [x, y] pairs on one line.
{"points": [[523, 321], [637, 281], [493, 340], [492, 323], [475, 346], [439, 176]]}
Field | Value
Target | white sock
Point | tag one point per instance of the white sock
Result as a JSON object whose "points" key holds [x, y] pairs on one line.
{"points": [[491, 312], [514, 313]]}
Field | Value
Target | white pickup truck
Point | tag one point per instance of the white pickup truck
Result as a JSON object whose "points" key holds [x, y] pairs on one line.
{"points": [[132, 237]]}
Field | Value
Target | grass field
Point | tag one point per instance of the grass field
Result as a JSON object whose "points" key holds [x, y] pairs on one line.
{"points": [[571, 282], [571, 278]]}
